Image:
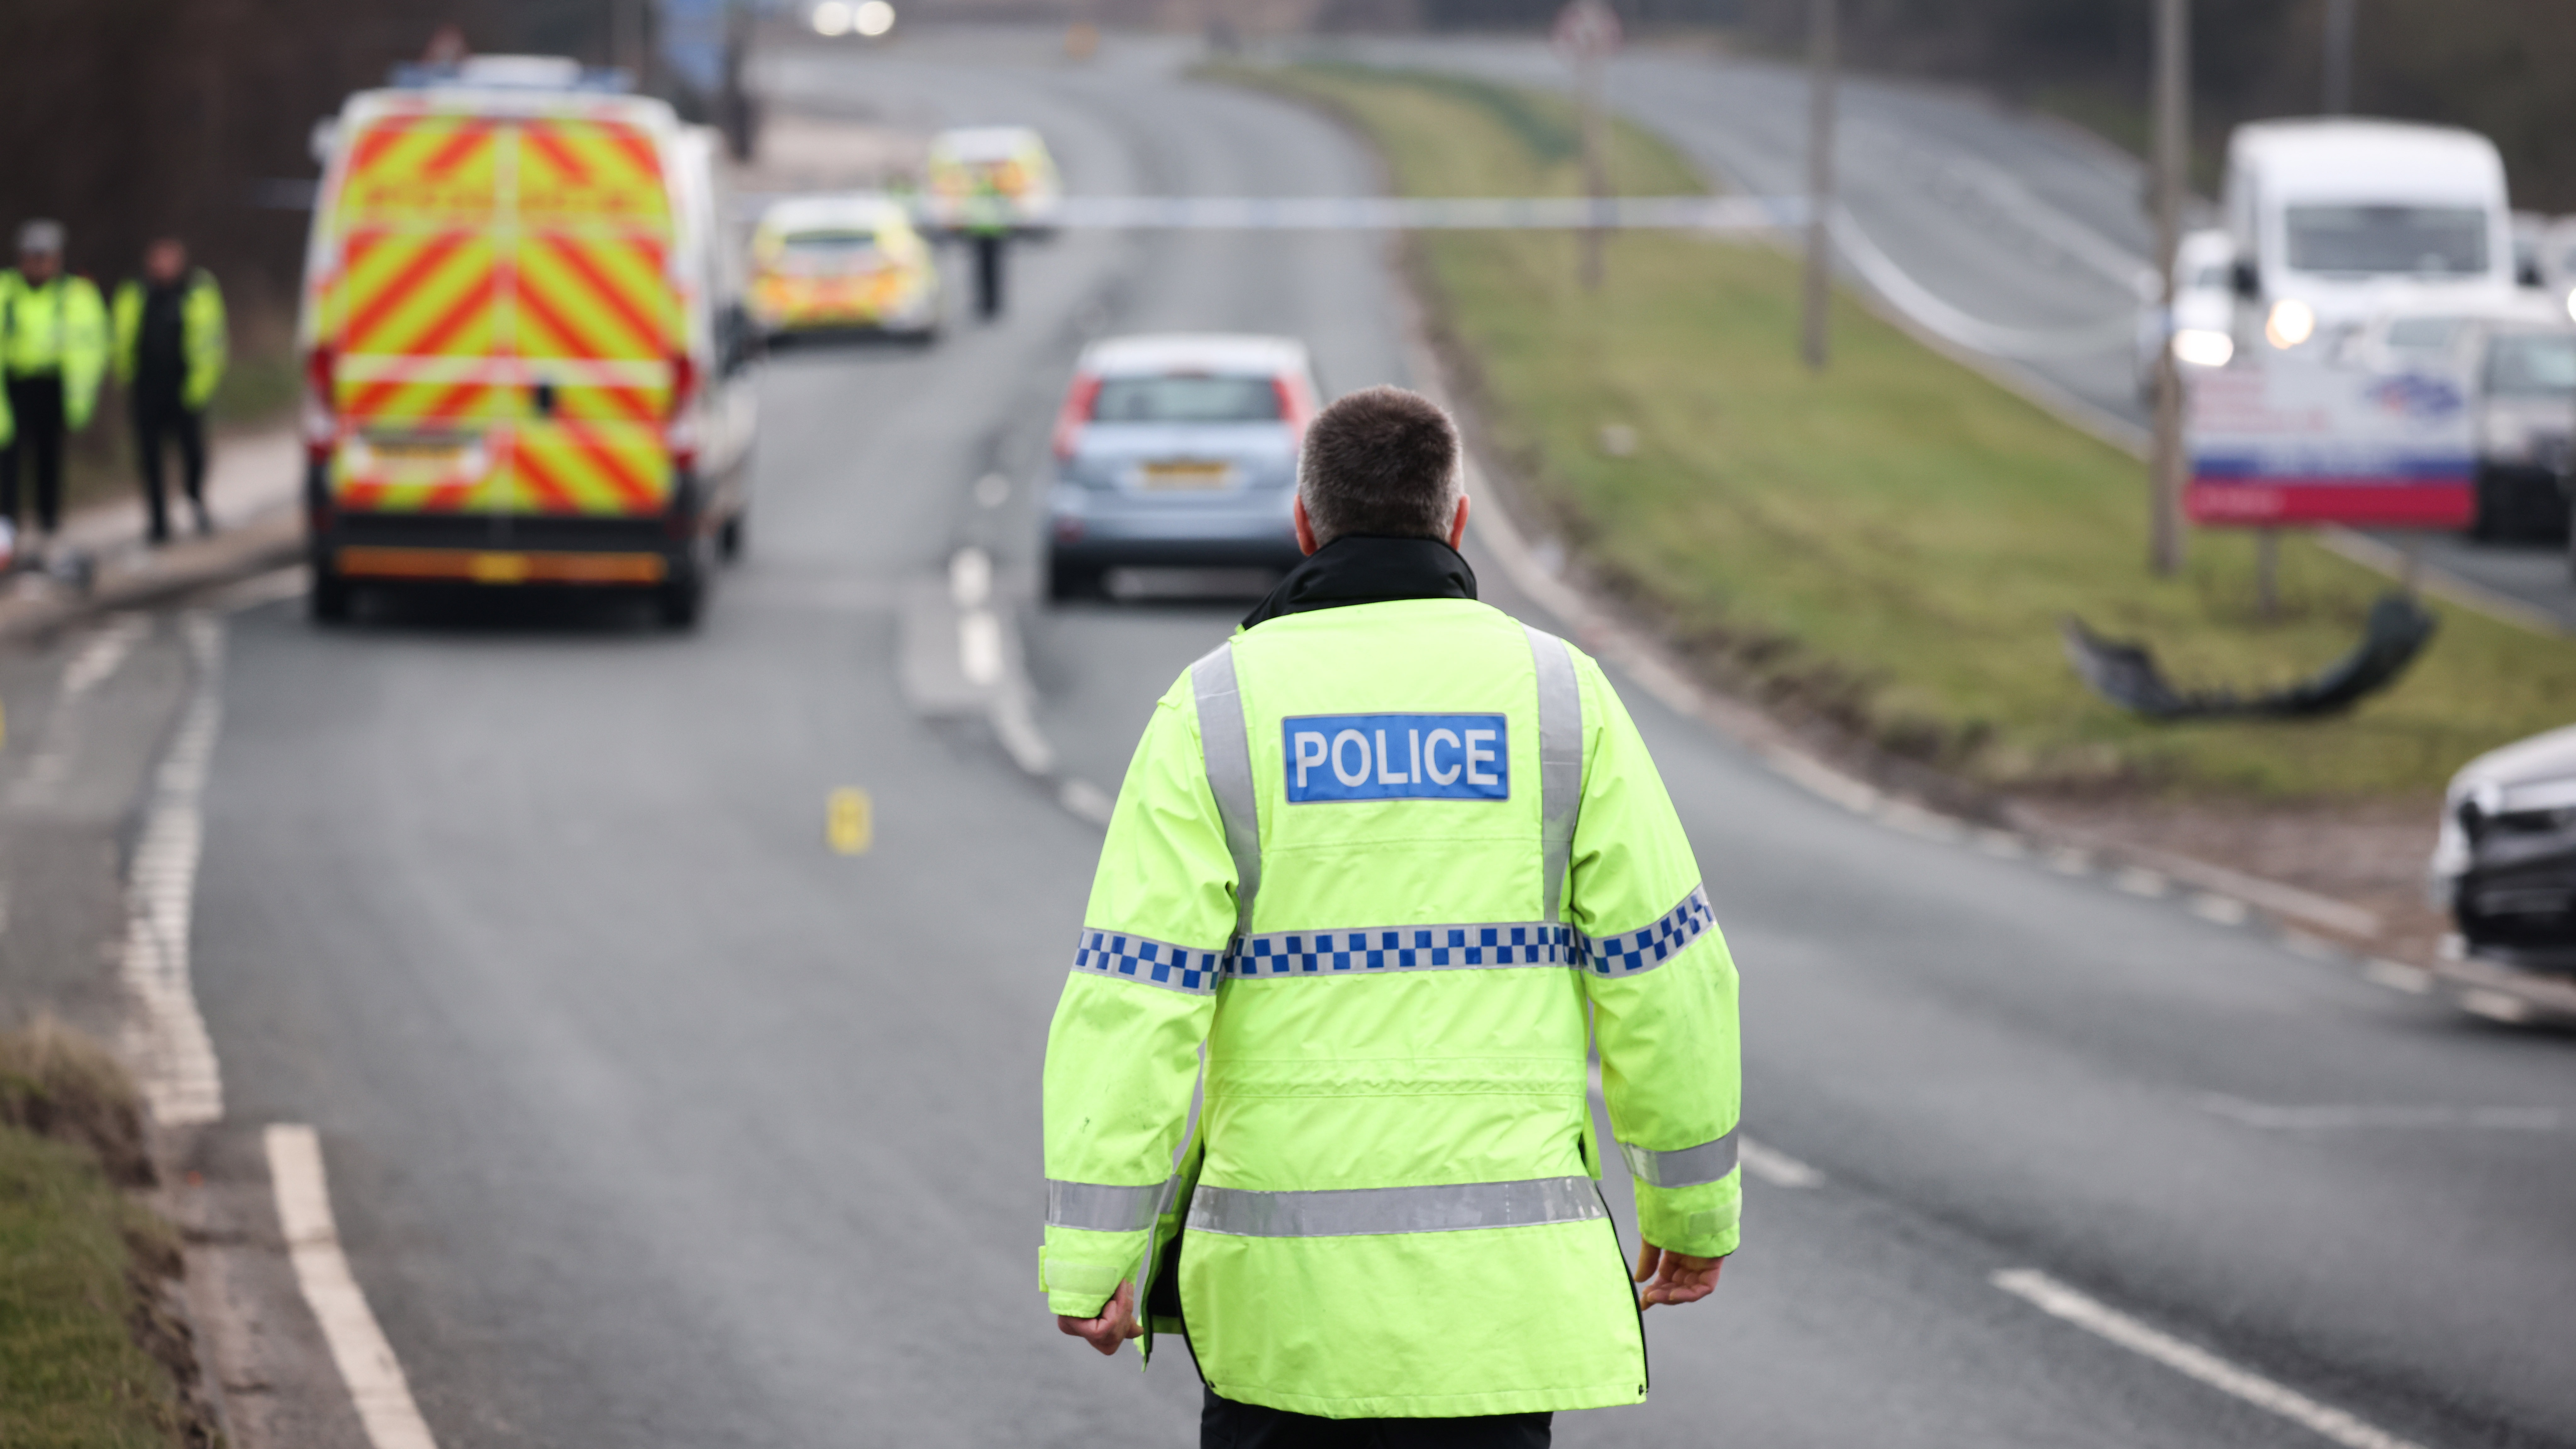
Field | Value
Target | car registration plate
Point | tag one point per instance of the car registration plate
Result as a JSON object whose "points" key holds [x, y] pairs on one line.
{"points": [[1178, 475]]}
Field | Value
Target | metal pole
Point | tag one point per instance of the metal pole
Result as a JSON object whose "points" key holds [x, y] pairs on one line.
{"points": [[2339, 23], [2167, 464], [1596, 178], [1820, 175]]}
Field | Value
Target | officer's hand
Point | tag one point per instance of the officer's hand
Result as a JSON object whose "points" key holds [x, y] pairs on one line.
{"points": [[1678, 1277], [1116, 1323]]}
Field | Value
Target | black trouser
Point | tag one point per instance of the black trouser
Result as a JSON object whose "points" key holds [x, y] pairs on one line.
{"points": [[37, 405], [1225, 1424], [160, 418]]}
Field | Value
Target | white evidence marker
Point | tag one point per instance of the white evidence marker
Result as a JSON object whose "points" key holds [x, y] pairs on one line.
{"points": [[358, 1348], [2193, 1361]]}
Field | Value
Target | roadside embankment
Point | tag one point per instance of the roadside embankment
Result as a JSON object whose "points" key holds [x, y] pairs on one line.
{"points": [[93, 1354], [1885, 549]]}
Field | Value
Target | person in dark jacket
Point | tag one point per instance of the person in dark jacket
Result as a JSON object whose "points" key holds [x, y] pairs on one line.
{"points": [[170, 354]]}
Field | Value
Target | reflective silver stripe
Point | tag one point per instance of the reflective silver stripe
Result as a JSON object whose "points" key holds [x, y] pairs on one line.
{"points": [[1381, 949], [1560, 762], [1228, 754], [1683, 1166], [1352, 1212], [1095, 1207]]}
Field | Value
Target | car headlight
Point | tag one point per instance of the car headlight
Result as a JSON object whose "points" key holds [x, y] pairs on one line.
{"points": [[2290, 323], [2202, 347]]}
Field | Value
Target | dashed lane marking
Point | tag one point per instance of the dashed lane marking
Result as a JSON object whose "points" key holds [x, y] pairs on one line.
{"points": [[2193, 1361], [2219, 910], [2397, 976], [2339, 1116], [166, 1037], [2140, 882], [366, 1361], [1775, 1167], [94, 664]]}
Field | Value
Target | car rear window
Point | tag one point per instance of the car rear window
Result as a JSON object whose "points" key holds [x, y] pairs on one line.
{"points": [[1186, 399]]}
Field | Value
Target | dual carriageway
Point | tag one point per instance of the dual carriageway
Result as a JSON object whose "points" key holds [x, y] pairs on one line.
{"points": [[650, 1120]]}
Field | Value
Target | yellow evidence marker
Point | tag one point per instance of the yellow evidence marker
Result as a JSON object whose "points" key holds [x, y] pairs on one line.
{"points": [[849, 821]]}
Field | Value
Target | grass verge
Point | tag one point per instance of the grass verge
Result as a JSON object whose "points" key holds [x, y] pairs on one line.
{"points": [[1891, 545], [90, 1356]]}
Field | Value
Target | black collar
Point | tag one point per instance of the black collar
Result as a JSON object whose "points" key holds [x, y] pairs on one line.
{"points": [[1364, 570]]}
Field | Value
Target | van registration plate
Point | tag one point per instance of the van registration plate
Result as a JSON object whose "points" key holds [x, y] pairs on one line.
{"points": [[1179, 475]]}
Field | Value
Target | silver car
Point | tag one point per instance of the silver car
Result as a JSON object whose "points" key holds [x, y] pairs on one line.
{"points": [[1177, 451]]}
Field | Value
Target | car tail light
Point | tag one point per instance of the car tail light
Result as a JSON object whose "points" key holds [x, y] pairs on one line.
{"points": [[321, 408], [1296, 404], [1078, 401]]}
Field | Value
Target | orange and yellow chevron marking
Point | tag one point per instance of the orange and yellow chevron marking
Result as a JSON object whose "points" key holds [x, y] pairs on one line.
{"points": [[572, 468], [582, 171], [422, 168], [503, 283], [482, 566]]}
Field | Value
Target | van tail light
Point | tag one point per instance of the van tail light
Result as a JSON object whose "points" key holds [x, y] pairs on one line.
{"points": [[680, 432], [1078, 402], [321, 406]]}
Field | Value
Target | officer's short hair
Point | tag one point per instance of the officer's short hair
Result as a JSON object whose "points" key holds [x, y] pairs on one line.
{"points": [[1381, 461]]}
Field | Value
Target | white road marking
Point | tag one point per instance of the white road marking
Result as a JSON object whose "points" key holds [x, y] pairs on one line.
{"points": [[97, 661], [1776, 1168], [358, 1347], [2495, 1005], [1852, 794], [979, 647], [1908, 818], [2141, 882], [2191, 1360], [2397, 976], [2346, 1116], [290, 582], [2221, 910], [2067, 860], [2300, 943], [166, 1038], [992, 490], [1087, 801], [970, 578]]}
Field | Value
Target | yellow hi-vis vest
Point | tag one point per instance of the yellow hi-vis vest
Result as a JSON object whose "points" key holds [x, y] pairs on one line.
{"points": [[60, 327], [1396, 867], [203, 342]]}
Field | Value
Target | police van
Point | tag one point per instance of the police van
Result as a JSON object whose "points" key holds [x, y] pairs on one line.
{"points": [[526, 357]]}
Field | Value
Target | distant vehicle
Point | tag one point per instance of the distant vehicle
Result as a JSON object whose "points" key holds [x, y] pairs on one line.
{"points": [[525, 356], [2558, 263], [2333, 219], [1177, 450], [991, 177], [2505, 863], [826, 263], [2203, 310], [2517, 362]]}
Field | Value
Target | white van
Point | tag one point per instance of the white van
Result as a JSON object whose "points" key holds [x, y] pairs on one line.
{"points": [[526, 356], [2336, 220]]}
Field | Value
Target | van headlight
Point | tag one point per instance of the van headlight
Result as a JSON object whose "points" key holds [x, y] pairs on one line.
{"points": [[2291, 323], [2202, 347]]}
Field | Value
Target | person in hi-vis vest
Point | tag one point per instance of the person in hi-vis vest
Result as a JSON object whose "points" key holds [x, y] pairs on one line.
{"points": [[1397, 863]]}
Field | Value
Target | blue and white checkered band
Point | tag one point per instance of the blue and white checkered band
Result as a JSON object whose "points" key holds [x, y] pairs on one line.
{"points": [[1141, 958], [1652, 945], [1403, 948]]}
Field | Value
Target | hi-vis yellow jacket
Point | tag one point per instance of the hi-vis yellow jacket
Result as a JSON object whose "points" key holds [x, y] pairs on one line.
{"points": [[59, 327], [203, 341], [1396, 866]]}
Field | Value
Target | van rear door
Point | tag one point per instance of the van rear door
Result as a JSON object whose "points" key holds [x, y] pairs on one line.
{"points": [[502, 328]]}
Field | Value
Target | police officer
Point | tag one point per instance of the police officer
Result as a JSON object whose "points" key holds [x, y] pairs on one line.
{"points": [[1395, 861], [53, 352], [170, 353]]}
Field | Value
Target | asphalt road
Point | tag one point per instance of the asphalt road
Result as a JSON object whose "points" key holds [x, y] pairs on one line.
{"points": [[652, 1122], [2020, 235]]}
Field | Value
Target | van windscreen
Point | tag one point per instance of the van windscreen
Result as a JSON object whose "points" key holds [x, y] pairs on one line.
{"points": [[2532, 365], [1186, 399], [2369, 241]]}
